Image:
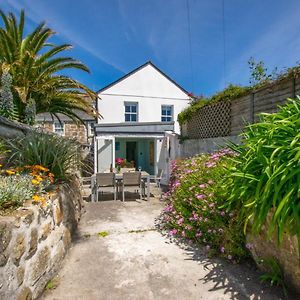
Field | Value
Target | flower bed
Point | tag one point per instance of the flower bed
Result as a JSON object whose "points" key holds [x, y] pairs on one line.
{"points": [[195, 201], [24, 183]]}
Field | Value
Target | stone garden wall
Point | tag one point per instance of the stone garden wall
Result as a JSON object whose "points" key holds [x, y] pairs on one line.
{"points": [[10, 129], [34, 241], [286, 254]]}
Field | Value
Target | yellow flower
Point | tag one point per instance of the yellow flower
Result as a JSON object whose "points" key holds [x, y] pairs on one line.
{"points": [[38, 178], [1, 165], [41, 168], [36, 197], [40, 199], [35, 182], [9, 172]]}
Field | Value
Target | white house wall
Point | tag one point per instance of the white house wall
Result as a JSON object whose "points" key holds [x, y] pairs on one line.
{"points": [[105, 154], [161, 155], [150, 89]]}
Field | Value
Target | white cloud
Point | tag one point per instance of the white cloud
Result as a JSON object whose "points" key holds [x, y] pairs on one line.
{"points": [[36, 12], [278, 45]]}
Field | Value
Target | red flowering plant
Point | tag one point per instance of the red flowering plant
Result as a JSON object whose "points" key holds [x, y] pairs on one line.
{"points": [[120, 162], [123, 163], [195, 199]]}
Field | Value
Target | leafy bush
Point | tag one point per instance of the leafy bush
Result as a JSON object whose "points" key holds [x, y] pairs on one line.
{"points": [[61, 156], [14, 190], [229, 93], [188, 112], [265, 177], [194, 205]]}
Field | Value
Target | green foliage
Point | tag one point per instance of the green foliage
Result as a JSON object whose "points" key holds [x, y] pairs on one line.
{"points": [[52, 284], [194, 205], [259, 77], [35, 66], [102, 234], [274, 275], [258, 72], [188, 112], [7, 108], [3, 151], [61, 156], [30, 112], [265, 177], [15, 189], [229, 93]]}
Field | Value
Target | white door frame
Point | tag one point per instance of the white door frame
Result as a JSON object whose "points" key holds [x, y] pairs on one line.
{"points": [[104, 137]]}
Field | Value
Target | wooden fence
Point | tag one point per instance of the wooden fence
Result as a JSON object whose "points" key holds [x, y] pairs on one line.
{"points": [[229, 118]]}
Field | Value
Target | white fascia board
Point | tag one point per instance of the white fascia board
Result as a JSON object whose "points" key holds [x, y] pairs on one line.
{"points": [[106, 137]]}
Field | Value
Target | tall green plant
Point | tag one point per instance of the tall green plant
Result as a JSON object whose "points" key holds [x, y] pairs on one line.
{"points": [[266, 177], [61, 156], [35, 65], [6, 96]]}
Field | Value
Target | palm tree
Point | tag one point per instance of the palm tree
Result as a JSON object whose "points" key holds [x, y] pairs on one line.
{"points": [[35, 67]]}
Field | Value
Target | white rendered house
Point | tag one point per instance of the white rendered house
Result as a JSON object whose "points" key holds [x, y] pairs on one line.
{"points": [[139, 120]]}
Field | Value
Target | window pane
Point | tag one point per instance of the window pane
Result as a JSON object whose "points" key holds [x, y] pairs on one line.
{"points": [[127, 108], [133, 108], [168, 119], [59, 128], [163, 119], [127, 117], [163, 112], [133, 118]]}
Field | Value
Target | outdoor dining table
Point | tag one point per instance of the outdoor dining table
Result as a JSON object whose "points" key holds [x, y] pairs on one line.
{"points": [[119, 178]]}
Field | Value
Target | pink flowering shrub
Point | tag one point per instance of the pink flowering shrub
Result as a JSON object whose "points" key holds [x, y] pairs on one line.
{"points": [[195, 199]]}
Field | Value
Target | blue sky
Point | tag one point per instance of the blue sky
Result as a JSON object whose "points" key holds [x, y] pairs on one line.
{"points": [[115, 36]]}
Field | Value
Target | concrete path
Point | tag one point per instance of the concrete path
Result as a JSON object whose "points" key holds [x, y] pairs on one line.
{"points": [[134, 261]]}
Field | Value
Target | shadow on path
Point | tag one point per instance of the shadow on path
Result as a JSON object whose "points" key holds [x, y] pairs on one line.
{"points": [[238, 281]]}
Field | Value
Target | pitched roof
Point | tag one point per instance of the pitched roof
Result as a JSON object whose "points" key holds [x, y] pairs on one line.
{"points": [[136, 70], [46, 117]]}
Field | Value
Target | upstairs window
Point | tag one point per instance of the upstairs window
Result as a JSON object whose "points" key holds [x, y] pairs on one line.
{"points": [[59, 128], [166, 113], [131, 112]]}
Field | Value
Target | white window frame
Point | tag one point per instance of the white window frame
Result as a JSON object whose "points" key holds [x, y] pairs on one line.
{"points": [[136, 104], [167, 116], [89, 128], [62, 126]]}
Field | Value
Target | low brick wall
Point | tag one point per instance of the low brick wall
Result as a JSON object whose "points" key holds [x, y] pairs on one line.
{"points": [[34, 241]]}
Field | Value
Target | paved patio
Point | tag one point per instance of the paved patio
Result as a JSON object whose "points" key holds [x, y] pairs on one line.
{"points": [[135, 261]]}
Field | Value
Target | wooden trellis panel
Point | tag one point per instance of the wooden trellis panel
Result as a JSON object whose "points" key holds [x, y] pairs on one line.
{"points": [[210, 121], [229, 118]]}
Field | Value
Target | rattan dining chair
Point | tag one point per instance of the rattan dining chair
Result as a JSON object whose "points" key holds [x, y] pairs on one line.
{"points": [[131, 179], [106, 180]]}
